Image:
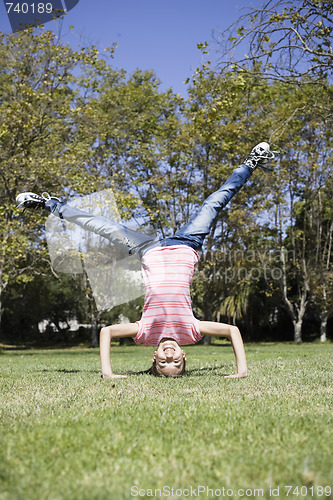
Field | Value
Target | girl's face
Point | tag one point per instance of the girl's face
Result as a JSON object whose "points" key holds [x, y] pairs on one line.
{"points": [[169, 357]]}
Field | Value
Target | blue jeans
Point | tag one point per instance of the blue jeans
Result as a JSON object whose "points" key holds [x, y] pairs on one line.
{"points": [[137, 243]]}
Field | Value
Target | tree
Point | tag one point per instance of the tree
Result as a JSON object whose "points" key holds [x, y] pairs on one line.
{"points": [[302, 208], [285, 41], [266, 249], [75, 135], [44, 143], [321, 274], [225, 115], [290, 43], [138, 128]]}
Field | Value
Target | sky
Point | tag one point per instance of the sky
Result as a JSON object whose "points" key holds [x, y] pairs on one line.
{"points": [[151, 34]]}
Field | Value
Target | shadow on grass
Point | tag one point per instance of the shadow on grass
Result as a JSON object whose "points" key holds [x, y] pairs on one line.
{"points": [[209, 370], [81, 351], [40, 346], [64, 370], [195, 372]]}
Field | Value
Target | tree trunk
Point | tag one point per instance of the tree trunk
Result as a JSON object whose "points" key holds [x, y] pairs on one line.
{"points": [[323, 326], [298, 331], [323, 316], [207, 339], [94, 331], [92, 311], [296, 311], [0, 313], [300, 316], [2, 287]]}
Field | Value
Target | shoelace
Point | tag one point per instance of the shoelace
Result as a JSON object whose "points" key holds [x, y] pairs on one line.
{"points": [[45, 197], [267, 155]]}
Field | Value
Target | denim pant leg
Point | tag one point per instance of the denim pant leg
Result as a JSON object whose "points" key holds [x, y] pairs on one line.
{"points": [[125, 239], [194, 233]]}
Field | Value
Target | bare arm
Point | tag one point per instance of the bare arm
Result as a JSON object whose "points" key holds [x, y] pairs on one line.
{"points": [[233, 334], [106, 335]]}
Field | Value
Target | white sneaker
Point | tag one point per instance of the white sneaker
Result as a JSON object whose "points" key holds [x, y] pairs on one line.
{"points": [[32, 200], [259, 156]]}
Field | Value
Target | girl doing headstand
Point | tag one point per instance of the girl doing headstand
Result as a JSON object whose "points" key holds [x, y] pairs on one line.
{"points": [[167, 320]]}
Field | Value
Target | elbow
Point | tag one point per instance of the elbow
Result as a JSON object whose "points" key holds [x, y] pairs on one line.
{"points": [[105, 332], [234, 331]]}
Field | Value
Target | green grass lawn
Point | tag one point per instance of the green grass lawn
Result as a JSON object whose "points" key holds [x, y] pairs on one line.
{"points": [[66, 434]]}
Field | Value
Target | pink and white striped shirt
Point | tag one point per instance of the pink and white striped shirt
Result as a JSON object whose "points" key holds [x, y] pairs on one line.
{"points": [[167, 312]]}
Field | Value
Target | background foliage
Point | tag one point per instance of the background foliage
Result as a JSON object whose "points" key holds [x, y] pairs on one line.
{"points": [[72, 125]]}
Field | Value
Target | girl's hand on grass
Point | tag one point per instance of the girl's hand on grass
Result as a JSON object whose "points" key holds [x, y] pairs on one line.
{"points": [[237, 375]]}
